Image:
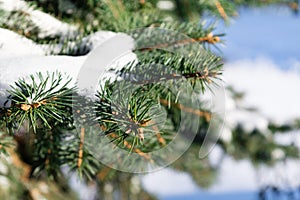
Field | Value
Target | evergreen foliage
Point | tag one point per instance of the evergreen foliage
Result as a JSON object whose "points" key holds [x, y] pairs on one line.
{"points": [[39, 119]]}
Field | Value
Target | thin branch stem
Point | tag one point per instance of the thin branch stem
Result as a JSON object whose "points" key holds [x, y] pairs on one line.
{"points": [[210, 38], [206, 115], [129, 146], [80, 153]]}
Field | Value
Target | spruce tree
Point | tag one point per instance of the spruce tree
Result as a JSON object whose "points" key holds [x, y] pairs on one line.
{"points": [[48, 126]]}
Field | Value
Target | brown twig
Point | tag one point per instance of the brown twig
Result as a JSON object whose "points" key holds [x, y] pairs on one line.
{"points": [[206, 115], [129, 146], [160, 139], [210, 38], [204, 75], [80, 153], [103, 173], [47, 161]]}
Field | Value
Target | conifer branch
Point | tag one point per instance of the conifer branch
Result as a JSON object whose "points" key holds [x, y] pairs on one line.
{"points": [[210, 38], [46, 100]]}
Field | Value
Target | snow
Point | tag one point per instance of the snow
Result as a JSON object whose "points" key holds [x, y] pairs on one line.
{"points": [[168, 181], [86, 191], [11, 5], [165, 5], [12, 44], [226, 134], [98, 37], [48, 25], [216, 156], [235, 176], [288, 138], [248, 120], [20, 57], [267, 87], [282, 175], [13, 68]]}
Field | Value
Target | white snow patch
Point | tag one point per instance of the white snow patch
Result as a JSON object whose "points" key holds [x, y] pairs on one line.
{"points": [[168, 181], [292, 137], [85, 191], [165, 5], [21, 57], [235, 176], [98, 38], [12, 44], [13, 68], [230, 104], [226, 134], [282, 175], [248, 120], [278, 154], [50, 26], [273, 91], [11, 5], [216, 156], [47, 24]]}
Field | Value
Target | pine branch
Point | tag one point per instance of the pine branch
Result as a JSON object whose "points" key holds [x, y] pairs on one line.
{"points": [[44, 101], [47, 153], [123, 16], [157, 67]]}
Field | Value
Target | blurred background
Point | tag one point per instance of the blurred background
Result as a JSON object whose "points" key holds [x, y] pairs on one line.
{"points": [[261, 61]]}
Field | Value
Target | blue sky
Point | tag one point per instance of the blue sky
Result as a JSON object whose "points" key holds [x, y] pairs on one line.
{"points": [[267, 32], [207, 196]]}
